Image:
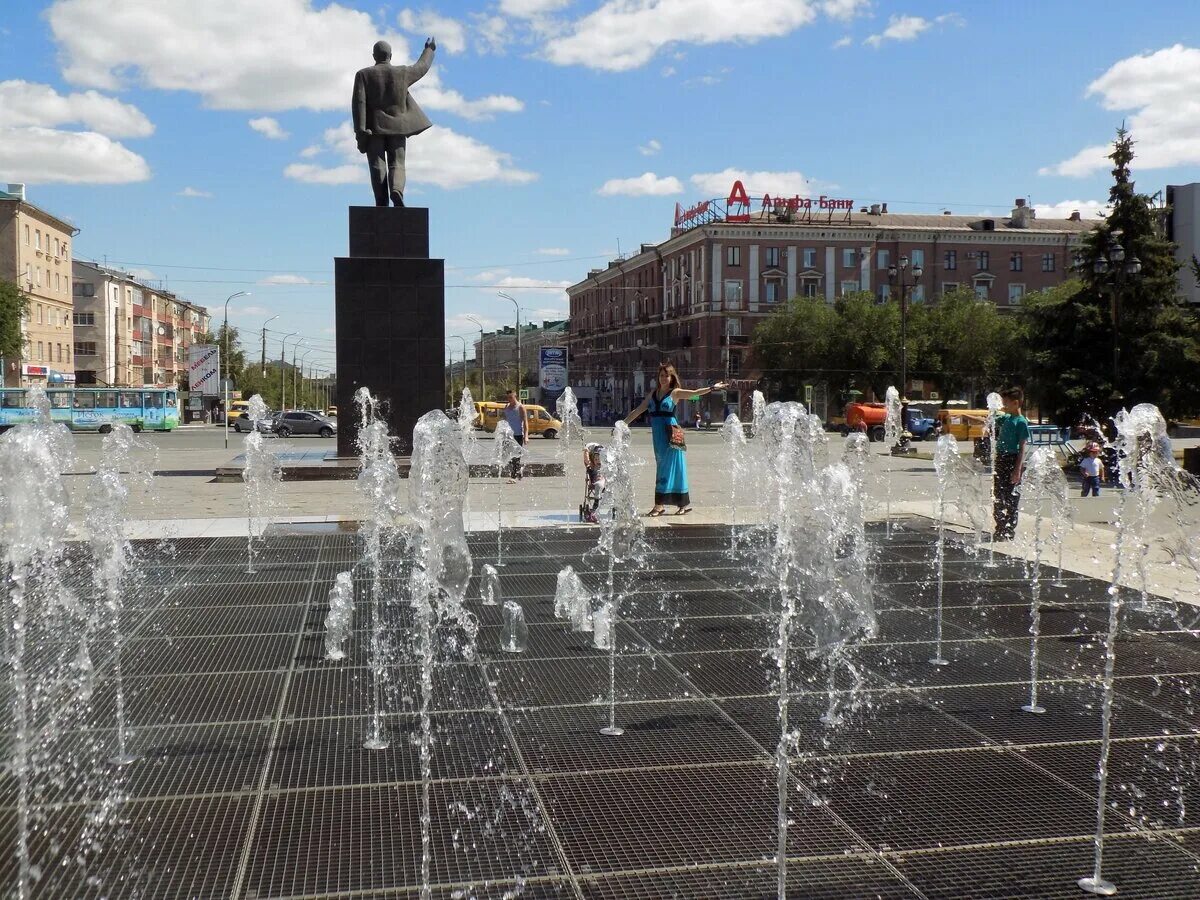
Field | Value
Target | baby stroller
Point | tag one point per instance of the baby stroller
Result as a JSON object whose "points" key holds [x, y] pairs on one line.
{"points": [[594, 484]]}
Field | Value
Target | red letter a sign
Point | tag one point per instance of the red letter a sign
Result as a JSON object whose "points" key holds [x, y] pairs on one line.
{"points": [[737, 207]]}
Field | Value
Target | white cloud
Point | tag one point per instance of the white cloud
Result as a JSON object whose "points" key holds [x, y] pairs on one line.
{"points": [[460, 324], [190, 191], [845, 9], [269, 128], [143, 274], [24, 103], [492, 33], [1164, 89], [650, 148], [645, 185], [668, 71], [449, 33], [626, 34], [909, 28], [287, 55], [286, 278], [1087, 209], [843, 42], [553, 251], [528, 9], [441, 157], [521, 282], [717, 184], [249, 311], [49, 156], [310, 151]]}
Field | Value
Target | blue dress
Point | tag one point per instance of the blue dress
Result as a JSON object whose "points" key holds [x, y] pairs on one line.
{"points": [[670, 477]]}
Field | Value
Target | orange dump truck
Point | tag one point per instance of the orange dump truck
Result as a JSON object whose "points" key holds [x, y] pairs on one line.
{"points": [[870, 414]]}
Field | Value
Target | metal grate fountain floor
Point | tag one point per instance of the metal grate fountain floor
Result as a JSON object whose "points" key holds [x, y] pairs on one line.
{"points": [[253, 782]]}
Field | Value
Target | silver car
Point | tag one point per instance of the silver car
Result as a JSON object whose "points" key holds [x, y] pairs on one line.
{"points": [[290, 423], [242, 424]]}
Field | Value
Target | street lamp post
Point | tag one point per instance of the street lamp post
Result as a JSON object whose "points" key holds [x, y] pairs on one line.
{"points": [[283, 369], [303, 357], [263, 358], [464, 365], [482, 361], [517, 307], [226, 354], [295, 347], [898, 278], [1113, 259]]}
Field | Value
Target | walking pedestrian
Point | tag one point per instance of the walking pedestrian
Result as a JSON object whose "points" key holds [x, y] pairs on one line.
{"points": [[1011, 440], [1092, 470], [517, 417]]}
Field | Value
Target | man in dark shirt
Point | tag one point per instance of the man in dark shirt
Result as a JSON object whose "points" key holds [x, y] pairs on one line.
{"points": [[1011, 440], [386, 116]]}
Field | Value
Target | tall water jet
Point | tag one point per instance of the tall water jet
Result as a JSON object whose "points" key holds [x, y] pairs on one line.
{"points": [[945, 461], [735, 446], [440, 573], [758, 410], [121, 452], [261, 476], [489, 587], [340, 618], [1044, 487], [379, 485], [466, 427], [621, 541], [572, 600], [1139, 430], [571, 439], [994, 404], [892, 428], [34, 522], [515, 638], [504, 452]]}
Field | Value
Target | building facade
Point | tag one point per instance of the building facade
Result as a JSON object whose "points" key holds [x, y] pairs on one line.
{"points": [[697, 297], [497, 351], [35, 252], [1183, 228], [127, 333]]}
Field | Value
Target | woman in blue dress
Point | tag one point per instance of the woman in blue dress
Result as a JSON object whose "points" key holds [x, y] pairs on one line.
{"points": [[670, 460]]}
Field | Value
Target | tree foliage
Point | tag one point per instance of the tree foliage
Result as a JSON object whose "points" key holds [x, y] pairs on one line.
{"points": [[963, 342], [14, 304], [1113, 337]]}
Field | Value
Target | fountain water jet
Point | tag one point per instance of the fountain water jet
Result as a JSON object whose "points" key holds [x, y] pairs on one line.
{"points": [[261, 475], [1045, 487], [340, 618], [573, 436], [516, 632], [505, 451], [489, 588], [945, 460], [892, 429], [994, 404], [379, 484], [572, 601], [735, 446]]}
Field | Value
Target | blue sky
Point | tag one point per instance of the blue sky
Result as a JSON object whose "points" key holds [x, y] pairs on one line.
{"points": [[205, 144]]}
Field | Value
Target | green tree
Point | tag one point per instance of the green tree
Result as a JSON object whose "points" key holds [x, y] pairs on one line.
{"points": [[1115, 336], [14, 305], [963, 342], [232, 355]]}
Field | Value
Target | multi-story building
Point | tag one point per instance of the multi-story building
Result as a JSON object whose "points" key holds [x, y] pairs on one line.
{"points": [[35, 252], [498, 349], [128, 333], [1183, 228], [697, 297]]}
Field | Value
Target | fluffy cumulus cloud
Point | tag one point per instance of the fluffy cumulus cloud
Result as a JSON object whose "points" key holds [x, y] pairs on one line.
{"points": [[909, 28], [1087, 209], [650, 148], [441, 157], [285, 278], [528, 9], [625, 34], [269, 128], [34, 148], [194, 193], [1163, 91], [645, 185], [450, 34], [287, 55], [717, 184]]}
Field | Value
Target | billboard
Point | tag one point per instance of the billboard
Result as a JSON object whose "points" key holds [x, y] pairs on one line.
{"points": [[204, 367], [552, 369]]}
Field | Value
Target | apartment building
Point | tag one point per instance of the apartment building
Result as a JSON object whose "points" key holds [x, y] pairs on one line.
{"points": [[697, 297], [128, 333], [35, 252]]}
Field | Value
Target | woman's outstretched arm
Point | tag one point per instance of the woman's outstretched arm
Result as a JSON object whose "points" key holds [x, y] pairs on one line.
{"points": [[682, 393], [638, 410]]}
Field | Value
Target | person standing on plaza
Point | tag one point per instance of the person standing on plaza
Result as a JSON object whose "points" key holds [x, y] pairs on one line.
{"points": [[1092, 470], [1012, 438], [670, 462], [517, 417]]}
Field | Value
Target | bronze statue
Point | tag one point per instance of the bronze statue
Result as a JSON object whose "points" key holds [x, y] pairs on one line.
{"points": [[385, 116]]}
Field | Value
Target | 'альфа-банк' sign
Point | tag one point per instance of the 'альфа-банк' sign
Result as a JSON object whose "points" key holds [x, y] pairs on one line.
{"points": [[739, 204]]}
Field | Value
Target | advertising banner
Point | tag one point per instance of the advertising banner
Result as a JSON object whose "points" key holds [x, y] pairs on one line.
{"points": [[204, 367], [552, 370]]}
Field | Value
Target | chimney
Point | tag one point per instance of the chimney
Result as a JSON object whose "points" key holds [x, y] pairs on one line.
{"points": [[1020, 202], [874, 209], [1021, 214], [1074, 217], [884, 210], [946, 212]]}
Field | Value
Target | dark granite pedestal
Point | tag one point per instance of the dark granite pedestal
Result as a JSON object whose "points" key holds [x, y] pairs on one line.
{"points": [[389, 299]]}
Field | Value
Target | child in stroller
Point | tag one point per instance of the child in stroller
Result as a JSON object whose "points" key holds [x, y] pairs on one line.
{"points": [[594, 483]]}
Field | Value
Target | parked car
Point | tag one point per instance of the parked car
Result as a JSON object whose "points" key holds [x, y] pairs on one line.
{"points": [[242, 425], [487, 417], [331, 412], [300, 422]]}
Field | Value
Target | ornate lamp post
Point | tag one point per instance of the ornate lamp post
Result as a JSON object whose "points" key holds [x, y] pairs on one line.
{"points": [[904, 278], [482, 361], [1113, 260]]}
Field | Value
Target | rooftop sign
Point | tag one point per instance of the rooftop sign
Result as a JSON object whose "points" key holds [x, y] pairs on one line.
{"points": [[738, 205]]}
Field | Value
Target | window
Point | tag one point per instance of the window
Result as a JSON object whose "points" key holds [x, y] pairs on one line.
{"points": [[885, 291], [982, 290], [918, 293], [949, 287], [918, 258], [58, 350], [951, 259], [883, 259], [85, 400], [1015, 293], [735, 363], [55, 246], [130, 400], [85, 348], [733, 291], [57, 282], [809, 287], [15, 399], [38, 242], [774, 291], [982, 261], [849, 287], [810, 258], [26, 235], [60, 399], [1047, 262], [41, 314], [733, 256], [105, 399], [849, 258], [1016, 262], [41, 353], [154, 401], [772, 257], [85, 318]]}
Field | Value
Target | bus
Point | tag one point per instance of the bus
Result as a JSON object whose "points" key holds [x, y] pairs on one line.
{"points": [[96, 409]]}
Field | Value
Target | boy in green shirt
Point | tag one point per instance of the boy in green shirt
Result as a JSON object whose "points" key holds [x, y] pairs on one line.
{"points": [[1011, 440]]}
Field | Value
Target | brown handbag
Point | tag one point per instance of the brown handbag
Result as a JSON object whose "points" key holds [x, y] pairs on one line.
{"points": [[676, 437]]}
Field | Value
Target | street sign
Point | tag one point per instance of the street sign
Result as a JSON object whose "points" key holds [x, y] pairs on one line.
{"points": [[204, 367], [808, 396], [523, 394]]}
